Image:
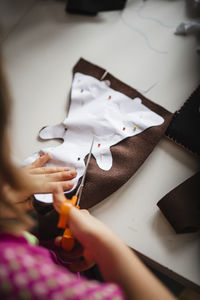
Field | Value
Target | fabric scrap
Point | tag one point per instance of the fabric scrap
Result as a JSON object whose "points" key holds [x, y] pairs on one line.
{"points": [[181, 206], [184, 129], [92, 7]]}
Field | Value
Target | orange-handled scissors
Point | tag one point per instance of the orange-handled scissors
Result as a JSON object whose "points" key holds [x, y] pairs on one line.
{"points": [[68, 240]]}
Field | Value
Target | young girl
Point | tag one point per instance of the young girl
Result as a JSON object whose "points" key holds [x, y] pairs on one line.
{"points": [[32, 272]]}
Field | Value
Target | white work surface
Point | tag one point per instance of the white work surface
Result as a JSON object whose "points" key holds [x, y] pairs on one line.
{"points": [[41, 45]]}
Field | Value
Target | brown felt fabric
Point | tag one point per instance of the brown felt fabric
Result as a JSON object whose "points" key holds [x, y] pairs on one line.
{"points": [[128, 155], [185, 125], [181, 206]]}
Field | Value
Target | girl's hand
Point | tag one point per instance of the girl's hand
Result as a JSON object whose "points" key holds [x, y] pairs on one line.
{"points": [[75, 257], [116, 261], [42, 179], [46, 179], [89, 231]]}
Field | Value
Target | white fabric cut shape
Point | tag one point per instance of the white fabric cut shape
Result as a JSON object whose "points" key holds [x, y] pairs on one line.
{"points": [[96, 111]]}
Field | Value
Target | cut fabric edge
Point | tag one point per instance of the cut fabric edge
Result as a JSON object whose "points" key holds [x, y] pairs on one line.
{"points": [[85, 67], [175, 139], [180, 206]]}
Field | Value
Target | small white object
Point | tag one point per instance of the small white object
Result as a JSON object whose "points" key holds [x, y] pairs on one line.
{"points": [[188, 27]]}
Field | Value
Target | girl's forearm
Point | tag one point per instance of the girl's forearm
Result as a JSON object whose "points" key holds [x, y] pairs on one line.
{"points": [[116, 261], [119, 264]]}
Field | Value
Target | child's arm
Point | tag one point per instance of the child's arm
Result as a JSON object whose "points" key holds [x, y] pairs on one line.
{"points": [[116, 261]]}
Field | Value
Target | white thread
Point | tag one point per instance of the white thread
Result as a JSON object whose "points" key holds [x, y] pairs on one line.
{"points": [[141, 33], [141, 8], [147, 90]]}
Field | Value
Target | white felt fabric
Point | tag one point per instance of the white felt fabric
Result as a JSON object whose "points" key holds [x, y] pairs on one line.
{"points": [[96, 111]]}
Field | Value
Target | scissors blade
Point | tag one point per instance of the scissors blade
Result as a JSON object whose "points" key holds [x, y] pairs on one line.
{"points": [[88, 161], [79, 191]]}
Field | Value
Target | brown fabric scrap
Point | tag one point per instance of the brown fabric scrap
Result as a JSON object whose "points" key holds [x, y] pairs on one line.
{"points": [[181, 206]]}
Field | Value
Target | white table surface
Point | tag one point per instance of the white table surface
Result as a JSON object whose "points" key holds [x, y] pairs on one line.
{"points": [[42, 43]]}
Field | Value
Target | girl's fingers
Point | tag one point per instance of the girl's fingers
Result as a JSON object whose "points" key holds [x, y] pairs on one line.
{"points": [[75, 256], [39, 162], [47, 183], [75, 253], [51, 186], [58, 199], [57, 241], [60, 176], [48, 170], [80, 265]]}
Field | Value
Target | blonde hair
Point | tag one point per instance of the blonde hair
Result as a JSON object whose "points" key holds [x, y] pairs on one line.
{"points": [[9, 173]]}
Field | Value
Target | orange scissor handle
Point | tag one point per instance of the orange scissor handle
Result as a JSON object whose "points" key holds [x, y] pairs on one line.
{"points": [[64, 211], [68, 240]]}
